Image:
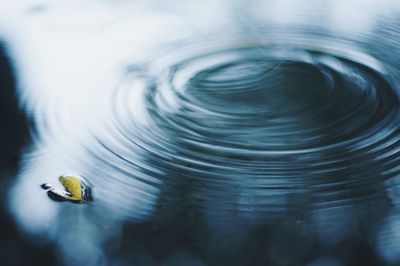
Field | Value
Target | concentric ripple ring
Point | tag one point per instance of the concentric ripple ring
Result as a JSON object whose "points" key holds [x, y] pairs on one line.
{"points": [[248, 126]]}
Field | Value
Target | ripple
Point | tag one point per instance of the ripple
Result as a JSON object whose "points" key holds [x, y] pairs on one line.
{"points": [[246, 127]]}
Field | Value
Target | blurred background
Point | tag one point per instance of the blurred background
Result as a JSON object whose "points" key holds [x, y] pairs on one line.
{"points": [[255, 132]]}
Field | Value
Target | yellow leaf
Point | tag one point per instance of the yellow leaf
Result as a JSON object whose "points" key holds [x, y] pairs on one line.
{"points": [[72, 184]]}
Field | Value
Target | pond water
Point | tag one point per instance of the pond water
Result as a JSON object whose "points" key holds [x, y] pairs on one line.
{"points": [[213, 133]]}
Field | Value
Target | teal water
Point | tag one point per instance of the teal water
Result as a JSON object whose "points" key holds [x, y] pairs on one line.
{"points": [[257, 138]]}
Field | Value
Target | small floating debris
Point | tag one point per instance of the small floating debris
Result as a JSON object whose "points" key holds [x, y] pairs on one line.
{"points": [[76, 189]]}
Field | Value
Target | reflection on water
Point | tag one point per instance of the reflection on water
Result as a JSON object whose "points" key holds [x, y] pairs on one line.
{"points": [[268, 136]]}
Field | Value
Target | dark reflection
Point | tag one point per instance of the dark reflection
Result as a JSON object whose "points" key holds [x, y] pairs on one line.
{"points": [[250, 181], [15, 249], [14, 126]]}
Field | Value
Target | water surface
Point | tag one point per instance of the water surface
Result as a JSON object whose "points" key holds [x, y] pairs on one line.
{"points": [[255, 138]]}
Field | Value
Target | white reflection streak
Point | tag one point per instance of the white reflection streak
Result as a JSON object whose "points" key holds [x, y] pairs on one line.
{"points": [[388, 239], [65, 54]]}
